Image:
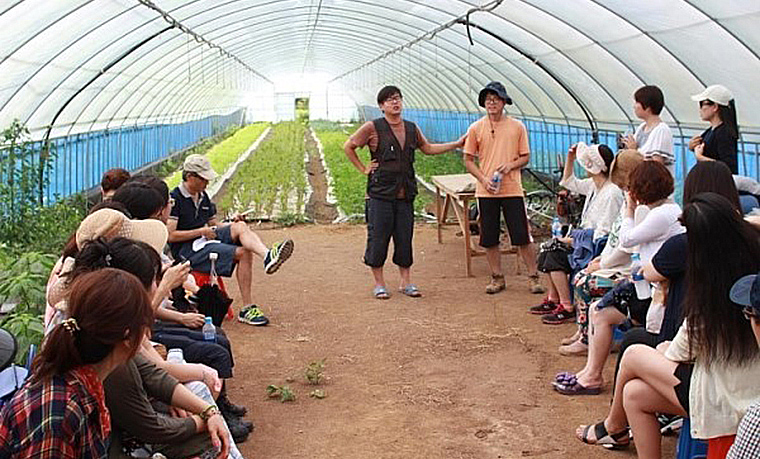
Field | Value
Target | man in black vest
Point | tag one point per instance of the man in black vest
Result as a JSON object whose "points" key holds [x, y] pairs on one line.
{"points": [[391, 186]]}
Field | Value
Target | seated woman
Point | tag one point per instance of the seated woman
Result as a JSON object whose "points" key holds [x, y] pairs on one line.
{"points": [[131, 386], [710, 370], [650, 185], [670, 263], [210, 361], [614, 263], [61, 411], [603, 201]]}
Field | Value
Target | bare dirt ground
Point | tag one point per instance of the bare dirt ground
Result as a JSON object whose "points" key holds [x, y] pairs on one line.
{"points": [[456, 374]]}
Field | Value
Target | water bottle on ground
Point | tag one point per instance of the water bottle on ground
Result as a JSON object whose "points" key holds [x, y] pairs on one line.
{"points": [[209, 331], [643, 289], [496, 181], [556, 228]]}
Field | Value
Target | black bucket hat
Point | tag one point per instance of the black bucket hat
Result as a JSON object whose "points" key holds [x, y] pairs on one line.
{"points": [[496, 88]]}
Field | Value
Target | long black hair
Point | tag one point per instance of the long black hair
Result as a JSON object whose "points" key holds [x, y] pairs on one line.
{"points": [[722, 247], [135, 257], [728, 116]]}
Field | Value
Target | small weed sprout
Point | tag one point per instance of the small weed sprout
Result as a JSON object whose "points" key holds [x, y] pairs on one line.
{"points": [[318, 394], [313, 372], [284, 392]]}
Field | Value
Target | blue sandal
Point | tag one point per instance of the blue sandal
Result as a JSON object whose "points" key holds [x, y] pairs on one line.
{"points": [[410, 290], [381, 293]]}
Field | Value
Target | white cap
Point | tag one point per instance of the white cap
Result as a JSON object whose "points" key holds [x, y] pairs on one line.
{"points": [[715, 93]]}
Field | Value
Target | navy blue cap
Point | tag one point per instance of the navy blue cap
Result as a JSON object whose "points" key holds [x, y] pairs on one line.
{"points": [[496, 88], [746, 291]]}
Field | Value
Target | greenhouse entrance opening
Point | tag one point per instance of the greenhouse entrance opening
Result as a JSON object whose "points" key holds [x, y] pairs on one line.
{"points": [[302, 109]]}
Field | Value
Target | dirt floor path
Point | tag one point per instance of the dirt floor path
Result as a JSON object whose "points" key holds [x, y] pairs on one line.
{"points": [[456, 374]]}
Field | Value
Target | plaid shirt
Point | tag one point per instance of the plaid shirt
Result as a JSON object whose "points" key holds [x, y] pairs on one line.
{"points": [[62, 417], [747, 443]]}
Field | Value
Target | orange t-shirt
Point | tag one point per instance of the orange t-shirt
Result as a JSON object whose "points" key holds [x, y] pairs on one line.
{"points": [[495, 144]]}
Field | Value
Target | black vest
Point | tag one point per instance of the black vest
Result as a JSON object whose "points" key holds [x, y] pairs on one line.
{"points": [[395, 164]]}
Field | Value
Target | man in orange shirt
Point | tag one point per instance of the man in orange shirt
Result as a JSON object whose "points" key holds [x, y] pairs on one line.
{"points": [[500, 143]]}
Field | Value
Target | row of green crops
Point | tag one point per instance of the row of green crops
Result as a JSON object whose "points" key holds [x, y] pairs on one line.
{"points": [[225, 153], [273, 180], [348, 184]]}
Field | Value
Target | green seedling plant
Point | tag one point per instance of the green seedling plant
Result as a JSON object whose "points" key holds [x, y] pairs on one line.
{"points": [[313, 372], [275, 174], [283, 392]]}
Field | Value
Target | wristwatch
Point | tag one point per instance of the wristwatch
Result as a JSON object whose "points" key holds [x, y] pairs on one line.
{"points": [[208, 412]]}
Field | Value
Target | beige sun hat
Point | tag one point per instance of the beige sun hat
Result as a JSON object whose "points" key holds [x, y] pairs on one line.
{"points": [[109, 223], [625, 162], [200, 165]]}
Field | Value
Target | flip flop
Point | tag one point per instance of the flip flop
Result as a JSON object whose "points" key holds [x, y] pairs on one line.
{"points": [[380, 293], [410, 290], [565, 377], [576, 388]]}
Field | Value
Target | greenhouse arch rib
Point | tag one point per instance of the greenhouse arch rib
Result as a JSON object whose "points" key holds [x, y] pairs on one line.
{"points": [[92, 80], [279, 50], [263, 19]]}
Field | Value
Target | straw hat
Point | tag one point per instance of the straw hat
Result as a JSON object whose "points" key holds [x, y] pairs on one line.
{"points": [[109, 223], [625, 162]]}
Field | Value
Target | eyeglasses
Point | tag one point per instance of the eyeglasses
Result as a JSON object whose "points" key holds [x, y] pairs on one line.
{"points": [[493, 100], [750, 313], [395, 98], [703, 103]]}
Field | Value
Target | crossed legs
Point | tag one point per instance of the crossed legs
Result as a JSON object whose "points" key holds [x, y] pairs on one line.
{"points": [[645, 386]]}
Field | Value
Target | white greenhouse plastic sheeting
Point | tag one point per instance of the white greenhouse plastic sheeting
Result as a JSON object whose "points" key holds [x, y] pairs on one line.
{"points": [[116, 63]]}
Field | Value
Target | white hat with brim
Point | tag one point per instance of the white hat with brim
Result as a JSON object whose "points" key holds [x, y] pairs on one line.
{"points": [[715, 93], [590, 159], [199, 164]]}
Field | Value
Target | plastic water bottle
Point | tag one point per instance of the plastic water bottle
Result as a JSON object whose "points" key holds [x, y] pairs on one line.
{"points": [[496, 181], [175, 355], [209, 331], [556, 228], [643, 289]]}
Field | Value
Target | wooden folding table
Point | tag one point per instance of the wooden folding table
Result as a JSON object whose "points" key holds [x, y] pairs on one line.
{"points": [[458, 191]]}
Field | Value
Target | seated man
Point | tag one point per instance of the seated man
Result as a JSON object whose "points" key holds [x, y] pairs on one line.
{"points": [[194, 234]]}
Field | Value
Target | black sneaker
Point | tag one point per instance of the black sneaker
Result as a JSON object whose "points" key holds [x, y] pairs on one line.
{"points": [[252, 315], [546, 307], [277, 255], [670, 424], [238, 431], [227, 407], [558, 316]]}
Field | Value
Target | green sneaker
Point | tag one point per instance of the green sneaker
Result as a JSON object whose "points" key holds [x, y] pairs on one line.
{"points": [[252, 315], [277, 255]]}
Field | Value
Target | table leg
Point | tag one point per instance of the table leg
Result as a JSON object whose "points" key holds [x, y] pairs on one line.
{"points": [[466, 229], [438, 215]]}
